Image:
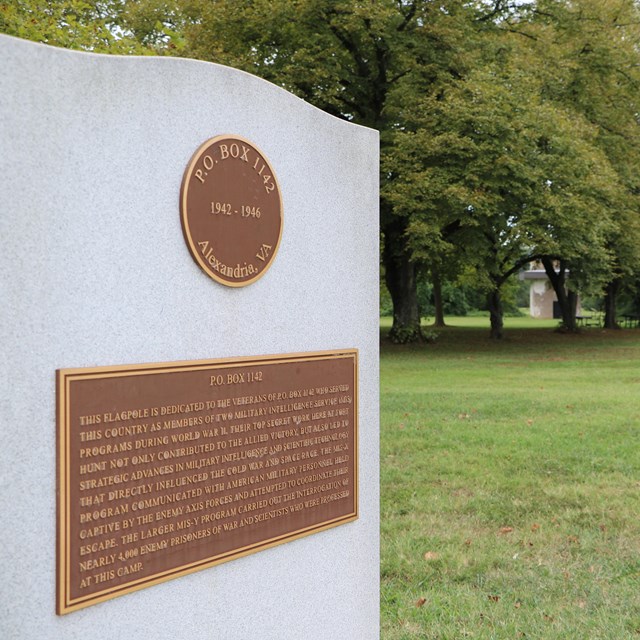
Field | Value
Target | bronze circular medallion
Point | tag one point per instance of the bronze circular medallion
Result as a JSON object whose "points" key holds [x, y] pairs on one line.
{"points": [[231, 210]]}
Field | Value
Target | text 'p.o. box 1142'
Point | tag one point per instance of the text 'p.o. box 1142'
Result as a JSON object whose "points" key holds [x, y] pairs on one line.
{"points": [[164, 469]]}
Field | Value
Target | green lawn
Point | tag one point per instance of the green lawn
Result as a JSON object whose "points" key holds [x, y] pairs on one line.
{"points": [[510, 484]]}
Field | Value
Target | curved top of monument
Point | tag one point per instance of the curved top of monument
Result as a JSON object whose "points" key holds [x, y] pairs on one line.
{"points": [[186, 73]]}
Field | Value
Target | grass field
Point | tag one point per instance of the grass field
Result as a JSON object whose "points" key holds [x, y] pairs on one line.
{"points": [[510, 484]]}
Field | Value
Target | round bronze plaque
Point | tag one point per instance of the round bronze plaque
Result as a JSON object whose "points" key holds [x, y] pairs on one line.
{"points": [[231, 210]]}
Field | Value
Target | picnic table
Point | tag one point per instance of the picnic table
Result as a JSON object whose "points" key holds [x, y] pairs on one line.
{"points": [[631, 320], [584, 321]]}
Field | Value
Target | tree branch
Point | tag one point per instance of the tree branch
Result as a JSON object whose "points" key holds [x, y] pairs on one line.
{"points": [[408, 16], [350, 46]]}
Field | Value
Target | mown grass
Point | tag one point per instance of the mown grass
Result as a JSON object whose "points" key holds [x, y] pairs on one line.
{"points": [[510, 485]]}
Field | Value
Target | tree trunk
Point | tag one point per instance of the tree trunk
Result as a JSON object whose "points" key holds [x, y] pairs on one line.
{"points": [[572, 302], [437, 298], [610, 296], [401, 280], [567, 300], [494, 302]]}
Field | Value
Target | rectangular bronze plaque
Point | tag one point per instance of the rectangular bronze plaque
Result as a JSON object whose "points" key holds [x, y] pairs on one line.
{"points": [[164, 469]]}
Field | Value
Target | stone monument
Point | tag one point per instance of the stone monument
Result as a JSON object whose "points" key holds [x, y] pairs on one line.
{"points": [[189, 402]]}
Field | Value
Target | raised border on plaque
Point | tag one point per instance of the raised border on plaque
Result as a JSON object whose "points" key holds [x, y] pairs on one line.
{"points": [[64, 382], [189, 181]]}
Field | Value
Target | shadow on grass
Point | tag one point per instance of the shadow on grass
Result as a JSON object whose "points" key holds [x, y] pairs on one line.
{"points": [[471, 335]]}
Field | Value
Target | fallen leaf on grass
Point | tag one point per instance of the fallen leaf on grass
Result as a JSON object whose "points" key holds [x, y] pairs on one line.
{"points": [[468, 542], [506, 530], [535, 527], [431, 555], [494, 598], [420, 602], [517, 604], [529, 422]]}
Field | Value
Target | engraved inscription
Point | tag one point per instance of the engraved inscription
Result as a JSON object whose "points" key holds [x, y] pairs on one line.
{"points": [[165, 469], [231, 210]]}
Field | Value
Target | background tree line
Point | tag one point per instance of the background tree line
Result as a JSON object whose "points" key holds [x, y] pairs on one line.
{"points": [[509, 130]]}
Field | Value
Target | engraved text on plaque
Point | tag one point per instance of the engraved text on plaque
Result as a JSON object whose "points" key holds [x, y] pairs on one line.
{"points": [[164, 469]]}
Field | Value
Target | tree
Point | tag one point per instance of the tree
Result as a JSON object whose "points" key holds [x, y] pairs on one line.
{"points": [[73, 24], [494, 172], [589, 62], [152, 27]]}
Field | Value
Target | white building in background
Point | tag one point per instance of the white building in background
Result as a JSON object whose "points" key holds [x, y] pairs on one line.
{"points": [[543, 302]]}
